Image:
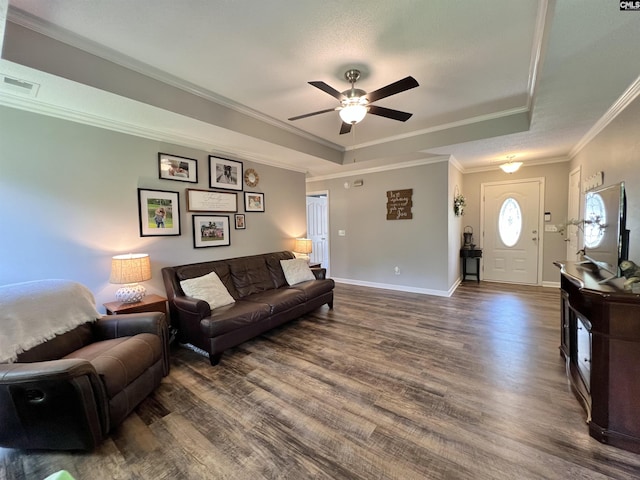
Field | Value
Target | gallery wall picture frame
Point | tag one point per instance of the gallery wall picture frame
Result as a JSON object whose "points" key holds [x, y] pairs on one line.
{"points": [[180, 169], [241, 222], [253, 202], [211, 231], [158, 212], [208, 201], [225, 174]]}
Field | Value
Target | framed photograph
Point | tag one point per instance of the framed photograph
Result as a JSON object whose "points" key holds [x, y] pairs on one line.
{"points": [[225, 174], [240, 221], [159, 213], [253, 202], [181, 169], [208, 201], [210, 231]]}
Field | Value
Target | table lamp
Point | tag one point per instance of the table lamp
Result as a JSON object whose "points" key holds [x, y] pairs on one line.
{"points": [[130, 269], [303, 248]]}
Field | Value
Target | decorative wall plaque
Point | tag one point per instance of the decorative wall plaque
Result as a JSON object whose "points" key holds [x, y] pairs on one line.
{"points": [[399, 203]]}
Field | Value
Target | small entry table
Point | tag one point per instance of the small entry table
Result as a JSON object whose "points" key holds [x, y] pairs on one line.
{"points": [[149, 303], [466, 253]]}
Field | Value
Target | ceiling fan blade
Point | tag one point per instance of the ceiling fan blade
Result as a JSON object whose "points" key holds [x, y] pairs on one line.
{"points": [[345, 128], [389, 113], [406, 83], [327, 89], [312, 114]]}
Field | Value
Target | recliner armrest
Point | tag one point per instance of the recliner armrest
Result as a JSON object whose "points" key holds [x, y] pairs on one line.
{"points": [[129, 324], [13, 373], [57, 404]]}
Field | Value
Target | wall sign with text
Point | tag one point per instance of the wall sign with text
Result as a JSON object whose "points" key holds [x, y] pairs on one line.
{"points": [[399, 203]]}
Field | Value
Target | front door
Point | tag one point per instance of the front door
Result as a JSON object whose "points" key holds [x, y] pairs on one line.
{"points": [[511, 231]]}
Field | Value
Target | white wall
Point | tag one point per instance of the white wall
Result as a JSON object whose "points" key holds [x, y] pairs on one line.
{"points": [[69, 199]]}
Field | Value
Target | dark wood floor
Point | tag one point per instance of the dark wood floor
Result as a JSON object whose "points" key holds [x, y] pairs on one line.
{"points": [[388, 385]]}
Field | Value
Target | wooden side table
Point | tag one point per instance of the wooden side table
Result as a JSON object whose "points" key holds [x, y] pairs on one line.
{"points": [[466, 253], [149, 303]]}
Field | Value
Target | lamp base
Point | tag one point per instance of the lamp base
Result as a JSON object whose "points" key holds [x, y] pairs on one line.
{"points": [[131, 293]]}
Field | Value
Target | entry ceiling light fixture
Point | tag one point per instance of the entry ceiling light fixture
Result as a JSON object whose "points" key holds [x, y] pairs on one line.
{"points": [[510, 166]]}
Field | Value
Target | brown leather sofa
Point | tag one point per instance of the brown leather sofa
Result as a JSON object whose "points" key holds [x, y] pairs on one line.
{"points": [[263, 300], [69, 392]]}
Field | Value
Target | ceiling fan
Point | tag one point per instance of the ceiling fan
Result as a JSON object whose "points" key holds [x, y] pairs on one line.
{"points": [[355, 103]]}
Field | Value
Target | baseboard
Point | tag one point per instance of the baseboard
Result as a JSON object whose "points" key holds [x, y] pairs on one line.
{"points": [[551, 284], [399, 288]]}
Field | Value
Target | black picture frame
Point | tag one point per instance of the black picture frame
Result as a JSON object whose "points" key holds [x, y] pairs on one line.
{"points": [[177, 168], [240, 221], [253, 202], [211, 231], [158, 213], [225, 174]]}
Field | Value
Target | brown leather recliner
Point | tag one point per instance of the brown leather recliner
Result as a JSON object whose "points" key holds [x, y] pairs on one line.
{"points": [[69, 392]]}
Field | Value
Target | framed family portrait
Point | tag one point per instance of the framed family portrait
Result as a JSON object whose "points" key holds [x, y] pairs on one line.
{"points": [[181, 169], [210, 231], [159, 213], [225, 174], [253, 202], [241, 224]]}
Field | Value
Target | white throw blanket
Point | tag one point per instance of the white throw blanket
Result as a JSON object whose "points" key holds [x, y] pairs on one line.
{"points": [[33, 312]]}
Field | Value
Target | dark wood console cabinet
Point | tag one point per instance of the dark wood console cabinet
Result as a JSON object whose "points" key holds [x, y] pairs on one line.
{"points": [[600, 340]]}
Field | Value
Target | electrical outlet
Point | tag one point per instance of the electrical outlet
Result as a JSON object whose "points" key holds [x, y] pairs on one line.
{"points": [[396, 270], [342, 233]]}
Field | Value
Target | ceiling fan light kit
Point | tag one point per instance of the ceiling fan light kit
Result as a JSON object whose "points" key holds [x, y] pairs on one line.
{"points": [[356, 103]]}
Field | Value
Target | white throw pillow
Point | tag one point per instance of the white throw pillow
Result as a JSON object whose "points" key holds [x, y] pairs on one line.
{"points": [[296, 270], [208, 288]]}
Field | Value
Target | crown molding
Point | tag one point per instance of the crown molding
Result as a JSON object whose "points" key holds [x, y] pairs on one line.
{"points": [[382, 168], [528, 163], [55, 32], [629, 95], [199, 143]]}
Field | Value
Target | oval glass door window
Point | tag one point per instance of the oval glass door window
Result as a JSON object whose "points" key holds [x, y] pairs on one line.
{"points": [[597, 219], [510, 222]]}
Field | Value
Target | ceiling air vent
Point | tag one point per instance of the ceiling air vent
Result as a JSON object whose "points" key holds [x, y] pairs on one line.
{"points": [[15, 85]]}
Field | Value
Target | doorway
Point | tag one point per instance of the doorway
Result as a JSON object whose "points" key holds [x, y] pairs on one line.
{"points": [[318, 227], [510, 221]]}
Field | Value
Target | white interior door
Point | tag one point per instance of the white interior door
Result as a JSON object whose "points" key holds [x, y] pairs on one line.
{"points": [[318, 228], [511, 231], [573, 212]]}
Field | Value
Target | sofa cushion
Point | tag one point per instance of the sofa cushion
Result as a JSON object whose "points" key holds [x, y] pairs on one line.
{"points": [[315, 288], [296, 271], [279, 300], [121, 360], [209, 288], [250, 275], [275, 269], [234, 316]]}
